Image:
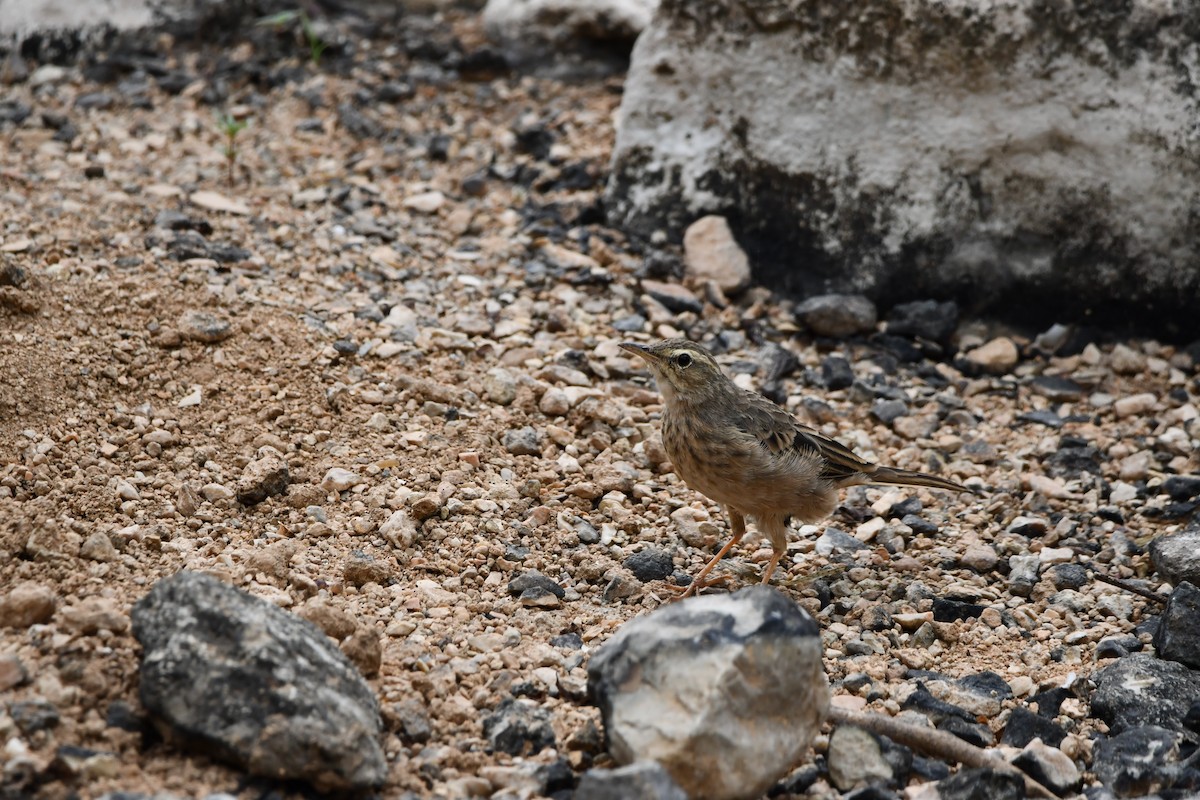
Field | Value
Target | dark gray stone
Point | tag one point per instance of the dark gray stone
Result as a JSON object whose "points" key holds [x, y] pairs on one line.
{"points": [[645, 780], [1176, 556], [238, 677], [519, 728], [836, 373], [32, 716], [1069, 576], [1141, 690], [923, 319], [1178, 635], [1182, 487], [1137, 761], [837, 315], [650, 564], [746, 664], [532, 579], [981, 784], [1024, 726], [523, 442]]}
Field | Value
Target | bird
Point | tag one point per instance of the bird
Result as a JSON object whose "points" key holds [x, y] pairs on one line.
{"points": [[751, 455]]}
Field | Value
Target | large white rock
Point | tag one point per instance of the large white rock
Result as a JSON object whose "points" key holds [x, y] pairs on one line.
{"points": [[725, 691], [1029, 158]]}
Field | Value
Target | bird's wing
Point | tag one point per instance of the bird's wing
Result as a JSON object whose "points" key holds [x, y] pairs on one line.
{"points": [[778, 432]]}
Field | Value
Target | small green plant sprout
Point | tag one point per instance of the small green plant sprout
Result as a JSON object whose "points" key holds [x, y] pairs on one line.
{"points": [[230, 128], [284, 18]]}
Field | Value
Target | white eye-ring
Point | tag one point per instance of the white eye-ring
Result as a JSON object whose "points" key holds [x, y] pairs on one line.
{"points": [[683, 360]]}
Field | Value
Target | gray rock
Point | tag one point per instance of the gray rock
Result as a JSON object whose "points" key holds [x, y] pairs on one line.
{"points": [[532, 579], [855, 757], [981, 784], [259, 687], [645, 780], [1137, 761], [1178, 634], [924, 319], [201, 326], [837, 315], [1182, 488], [1023, 574], [523, 442], [519, 728], [650, 564], [265, 476], [1050, 767], [725, 691], [1141, 690], [832, 540], [811, 132], [1176, 556]]}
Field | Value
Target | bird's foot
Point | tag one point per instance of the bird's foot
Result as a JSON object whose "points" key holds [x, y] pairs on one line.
{"points": [[693, 588]]}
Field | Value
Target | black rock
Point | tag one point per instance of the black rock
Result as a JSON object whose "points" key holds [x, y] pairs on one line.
{"points": [[899, 758], [1182, 487], [1178, 636], [569, 641], [412, 719], [1068, 576], [937, 710], [1042, 417], [1072, 460], [930, 769], [1141, 690], [535, 140], [99, 100], [982, 784], [519, 728], [32, 716], [1057, 388], [870, 792], [178, 221], [534, 580], [395, 92], [1050, 701], [836, 373], [645, 780], [358, 124], [796, 783], [255, 685], [907, 506], [121, 715], [1117, 646], [923, 319], [1136, 761], [945, 610], [972, 732], [1024, 726], [650, 564], [14, 111]]}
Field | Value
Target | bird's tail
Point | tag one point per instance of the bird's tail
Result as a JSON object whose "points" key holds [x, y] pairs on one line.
{"points": [[907, 477]]}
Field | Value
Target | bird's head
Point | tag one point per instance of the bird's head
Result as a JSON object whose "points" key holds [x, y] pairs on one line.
{"points": [[683, 370]]}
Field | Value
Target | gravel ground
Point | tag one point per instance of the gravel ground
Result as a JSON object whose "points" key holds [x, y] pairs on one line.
{"points": [[408, 294]]}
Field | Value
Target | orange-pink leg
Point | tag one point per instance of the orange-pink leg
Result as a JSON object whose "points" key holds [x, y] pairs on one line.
{"points": [[737, 524]]}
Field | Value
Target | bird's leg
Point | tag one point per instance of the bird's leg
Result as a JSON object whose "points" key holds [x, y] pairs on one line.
{"points": [[737, 525], [776, 530]]}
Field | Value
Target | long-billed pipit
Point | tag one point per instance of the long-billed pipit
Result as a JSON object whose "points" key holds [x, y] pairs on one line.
{"points": [[750, 455]]}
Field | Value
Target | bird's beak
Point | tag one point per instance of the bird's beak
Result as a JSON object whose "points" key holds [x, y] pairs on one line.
{"points": [[639, 350]]}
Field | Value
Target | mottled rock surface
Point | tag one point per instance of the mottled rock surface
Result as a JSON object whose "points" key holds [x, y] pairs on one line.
{"points": [[255, 685], [725, 691]]}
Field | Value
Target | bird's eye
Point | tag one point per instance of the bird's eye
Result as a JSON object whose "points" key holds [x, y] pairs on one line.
{"points": [[683, 360]]}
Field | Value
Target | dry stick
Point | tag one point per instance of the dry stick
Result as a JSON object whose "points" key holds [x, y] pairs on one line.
{"points": [[1129, 587], [933, 742]]}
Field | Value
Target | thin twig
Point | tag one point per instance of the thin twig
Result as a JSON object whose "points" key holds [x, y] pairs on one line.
{"points": [[1129, 587], [933, 742]]}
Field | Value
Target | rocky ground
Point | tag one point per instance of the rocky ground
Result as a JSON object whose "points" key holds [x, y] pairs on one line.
{"points": [[362, 363]]}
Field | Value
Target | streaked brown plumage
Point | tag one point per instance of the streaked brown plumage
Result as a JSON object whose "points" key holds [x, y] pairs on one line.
{"points": [[749, 454]]}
